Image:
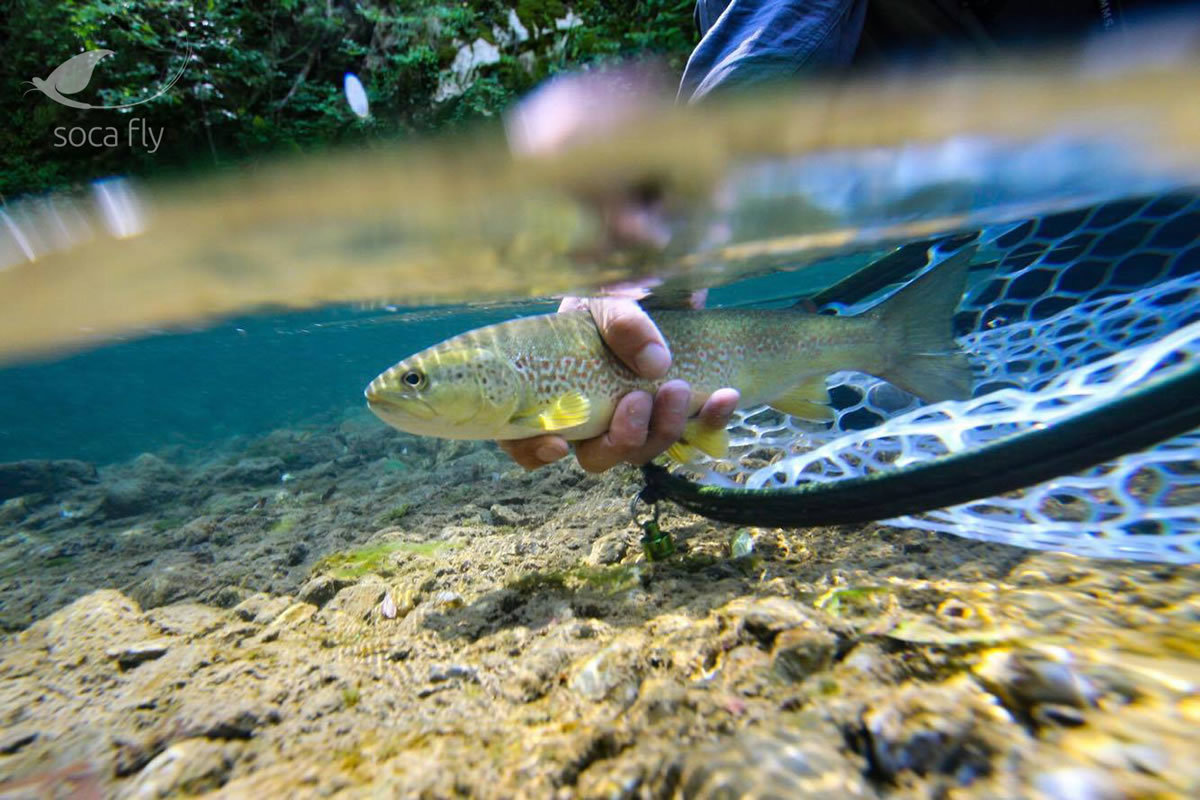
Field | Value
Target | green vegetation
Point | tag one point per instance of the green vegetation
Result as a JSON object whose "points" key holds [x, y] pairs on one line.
{"points": [[351, 696], [394, 515], [606, 580], [375, 558], [285, 525], [855, 600], [266, 78]]}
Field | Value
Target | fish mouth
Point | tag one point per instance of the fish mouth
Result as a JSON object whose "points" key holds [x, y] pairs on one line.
{"points": [[382, 402]]}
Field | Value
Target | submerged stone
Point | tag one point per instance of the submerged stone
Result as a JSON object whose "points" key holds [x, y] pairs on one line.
{"points": [[802, 761], [32, 476]]}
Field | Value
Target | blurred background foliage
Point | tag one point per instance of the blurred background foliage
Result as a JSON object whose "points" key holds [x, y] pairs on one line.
{"points": [[266, 78]]}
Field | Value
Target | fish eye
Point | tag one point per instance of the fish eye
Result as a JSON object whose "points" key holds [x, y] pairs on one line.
{"points": [[413, 378]]}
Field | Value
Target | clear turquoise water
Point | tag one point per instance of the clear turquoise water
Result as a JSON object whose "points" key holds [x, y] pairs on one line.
{"points": [[243, 376]]}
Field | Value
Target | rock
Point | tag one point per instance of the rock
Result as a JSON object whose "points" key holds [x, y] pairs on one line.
{"points": [[867, 661], [608, 550], [800, 652], [231, 718], [295, 449], [132, 655], [168, 585], [321, 589], [537, 673], [660, 700], [1077, 783], [359, 601], [764, 618], [746, 669], [447, 600], [440, 673], [1026, 678], [291, 617], [131, 496], [781, 762], [149, 467], [610, 674], [187, 619], [188, 767], [261, 608], [928, 730], [247, 472], [229, 596], [28, 477], [90, 626], [15, 509], [16, 739], [296, 554], [505, 515]]}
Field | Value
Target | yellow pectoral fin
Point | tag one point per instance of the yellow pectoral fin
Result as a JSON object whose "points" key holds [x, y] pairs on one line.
{"points": [[809, 400], [565, 411], [697, 436]]}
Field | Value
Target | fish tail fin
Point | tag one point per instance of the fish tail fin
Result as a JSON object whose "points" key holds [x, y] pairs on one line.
{"points": [[916, 323]]}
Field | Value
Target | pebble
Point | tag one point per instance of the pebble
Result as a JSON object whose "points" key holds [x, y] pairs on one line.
{"points": [[505, 515], [608, 550], [784, 762], [926, 730], [261, 608], [125, 498], [232, 719], [800, 652], [609, 674], [445, 672], [447, 600], [291, 617], [130, 656], [1077, 783], [188, 767], [321, 589], [16, 739], [1025, 678]]}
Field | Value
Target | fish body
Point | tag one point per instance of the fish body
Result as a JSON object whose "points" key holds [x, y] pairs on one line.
{"points": [[553, 373]]}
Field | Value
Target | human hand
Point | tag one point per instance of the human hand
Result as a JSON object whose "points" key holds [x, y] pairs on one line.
{"points": [[642, 426]]}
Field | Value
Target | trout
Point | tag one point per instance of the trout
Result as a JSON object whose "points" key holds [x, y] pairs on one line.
{"points": [[553, 373]]}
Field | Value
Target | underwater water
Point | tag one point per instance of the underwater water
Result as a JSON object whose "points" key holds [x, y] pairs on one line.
{"points": [[219, 573]]}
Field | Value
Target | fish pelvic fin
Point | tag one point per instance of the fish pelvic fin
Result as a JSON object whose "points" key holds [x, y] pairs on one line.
{"points": [[916, 327], [698, 437]]}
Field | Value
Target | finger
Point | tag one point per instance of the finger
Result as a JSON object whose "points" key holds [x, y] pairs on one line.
{"points": [[719, 407], [573, 304], [537, 451], [628, 330], [626, 433], [666, 422]]}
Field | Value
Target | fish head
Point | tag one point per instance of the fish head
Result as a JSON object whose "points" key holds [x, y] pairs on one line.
{"points": [[454, 391]]}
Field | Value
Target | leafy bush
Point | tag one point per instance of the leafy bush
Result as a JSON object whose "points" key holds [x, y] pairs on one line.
{"points": [[267, 77]]}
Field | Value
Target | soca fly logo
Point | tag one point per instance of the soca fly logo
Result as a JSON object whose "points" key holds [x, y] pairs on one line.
{"points": [[75, 74]]}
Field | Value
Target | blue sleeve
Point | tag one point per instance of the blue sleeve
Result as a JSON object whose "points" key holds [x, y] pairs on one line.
{"points": [[744, 42]]}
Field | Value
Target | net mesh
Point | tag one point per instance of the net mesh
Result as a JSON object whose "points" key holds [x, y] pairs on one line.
{"points": [[1063, 315]]}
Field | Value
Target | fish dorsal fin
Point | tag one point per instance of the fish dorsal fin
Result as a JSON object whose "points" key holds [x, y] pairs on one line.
{"points": [[563, 412], [809, 400], [698, 436]]}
